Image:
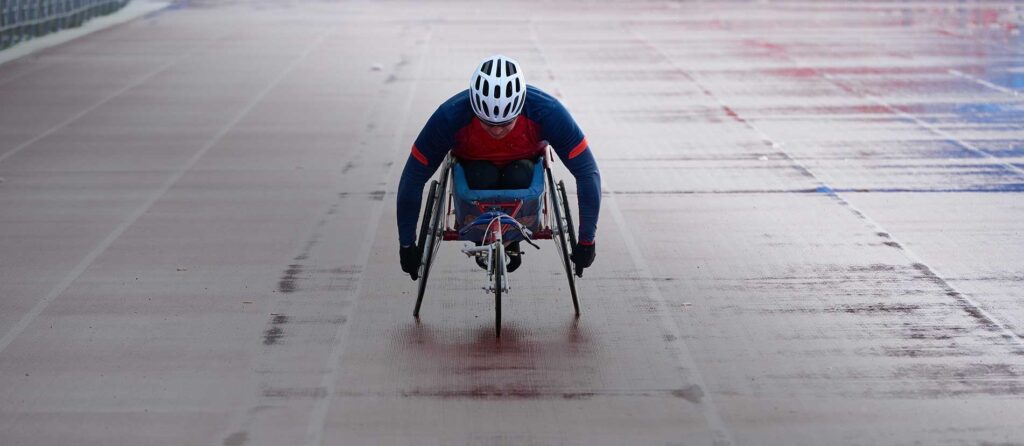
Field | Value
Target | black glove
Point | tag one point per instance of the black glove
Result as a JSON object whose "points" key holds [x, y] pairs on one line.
{"points": [[515, 256], [410, 260], [583, 257]]}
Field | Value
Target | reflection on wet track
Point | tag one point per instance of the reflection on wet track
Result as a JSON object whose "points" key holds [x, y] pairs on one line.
{"points": [[810, 232]]}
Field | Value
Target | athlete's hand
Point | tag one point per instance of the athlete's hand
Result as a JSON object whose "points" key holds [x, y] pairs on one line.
{"points": [[583, 256], [410, 256]]}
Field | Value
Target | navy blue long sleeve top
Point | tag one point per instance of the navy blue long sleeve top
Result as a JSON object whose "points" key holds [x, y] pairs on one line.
{"points": [[454, 127]]}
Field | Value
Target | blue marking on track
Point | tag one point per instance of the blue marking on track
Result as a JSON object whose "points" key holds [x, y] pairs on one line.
{"points": [[1005, 69], [1001, 189], [1011, 148], [947, 150], [991, 113], [985, 170]]}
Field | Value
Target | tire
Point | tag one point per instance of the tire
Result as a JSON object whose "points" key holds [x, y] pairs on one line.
{"points": [[497, 260], [561, 208], [428, 212], [568, 215], [428, 238]]}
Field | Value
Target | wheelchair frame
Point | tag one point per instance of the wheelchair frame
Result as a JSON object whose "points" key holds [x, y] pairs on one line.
{"points": [[438, 214]]}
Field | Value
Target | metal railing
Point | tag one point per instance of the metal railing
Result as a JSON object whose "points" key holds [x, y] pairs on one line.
{"points": [[21, 20]]}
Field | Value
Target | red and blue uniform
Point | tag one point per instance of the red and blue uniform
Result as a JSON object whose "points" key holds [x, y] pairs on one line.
{"points": [[454, 127]]}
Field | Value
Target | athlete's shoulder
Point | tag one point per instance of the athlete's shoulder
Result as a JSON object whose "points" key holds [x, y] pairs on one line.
{"points": [[456, 109], [543, 108], [539, 101], [555, 121], [438, 135]]}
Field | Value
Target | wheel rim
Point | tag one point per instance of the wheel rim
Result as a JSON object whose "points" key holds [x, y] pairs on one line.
{"points": [[562, 242], [431, 244]]}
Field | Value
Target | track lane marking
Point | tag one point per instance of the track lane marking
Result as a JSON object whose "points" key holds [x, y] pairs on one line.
{"points": [[966, 301], [83, 264], [86, 111], [984, 82], [846, 86], [706, 405], [141, 80], [980, 81], [25, 73], [329, 382], [927, 126]]}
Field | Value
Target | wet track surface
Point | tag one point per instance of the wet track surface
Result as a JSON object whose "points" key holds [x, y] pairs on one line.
{"points": [[810, 234]]}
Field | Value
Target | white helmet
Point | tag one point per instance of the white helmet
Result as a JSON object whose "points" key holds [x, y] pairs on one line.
{"points": [[497, 90]]}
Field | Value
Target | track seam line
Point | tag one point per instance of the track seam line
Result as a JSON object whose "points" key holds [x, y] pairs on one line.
{"points": [[107, 99], [712, 416], [109, 240], [962, 298], [318, 416]]}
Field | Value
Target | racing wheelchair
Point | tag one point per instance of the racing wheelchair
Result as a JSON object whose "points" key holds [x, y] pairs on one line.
{"points": [[491, 219]]}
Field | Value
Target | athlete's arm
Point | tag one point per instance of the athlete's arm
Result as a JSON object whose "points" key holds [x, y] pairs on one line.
{"points": [[571, 146], [433, 143], [588, 189]]}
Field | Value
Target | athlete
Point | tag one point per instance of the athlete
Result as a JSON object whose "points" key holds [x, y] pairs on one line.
{"points": [[496, 129]]}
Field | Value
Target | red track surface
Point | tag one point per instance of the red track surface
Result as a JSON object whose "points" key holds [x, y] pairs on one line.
{"points": [[811, 230]]}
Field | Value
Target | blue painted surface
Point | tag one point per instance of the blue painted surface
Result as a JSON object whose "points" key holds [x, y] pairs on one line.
{"points": [[1002, 188], [991, 113]]}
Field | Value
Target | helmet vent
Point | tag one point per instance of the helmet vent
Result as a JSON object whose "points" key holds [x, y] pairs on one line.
{"points": [[498, 66], [507, 108], [497, 91], [495, 111], [515, 103], [509, 68], [508, 90], [487, 88], [478, 82], [518, 89], [486, 68]]}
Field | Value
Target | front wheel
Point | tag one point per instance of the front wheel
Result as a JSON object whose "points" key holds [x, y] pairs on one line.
{"points": [[498, 263]]}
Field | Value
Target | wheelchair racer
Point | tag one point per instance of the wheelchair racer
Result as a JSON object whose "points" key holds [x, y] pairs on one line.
{"points": [[496, 129]]}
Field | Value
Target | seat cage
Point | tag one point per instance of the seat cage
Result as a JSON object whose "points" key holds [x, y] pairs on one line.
{"points": [[527, 206]]}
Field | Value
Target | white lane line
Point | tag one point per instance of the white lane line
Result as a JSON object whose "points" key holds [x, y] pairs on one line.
{"points": [[966, 301], [27, 72], [915, 119], [707, 406], [980, 81], [318, 416], [99, 249], [937, 131], [108, 98], [985, 83], [78, 115]]}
